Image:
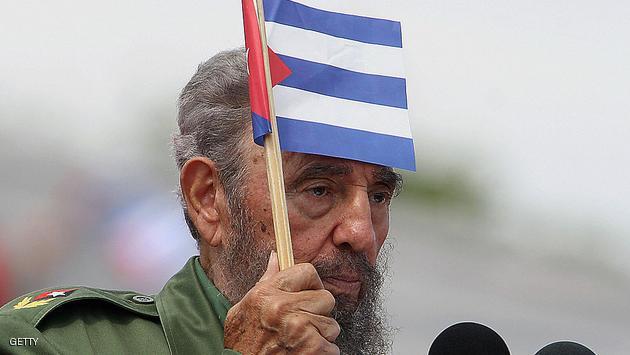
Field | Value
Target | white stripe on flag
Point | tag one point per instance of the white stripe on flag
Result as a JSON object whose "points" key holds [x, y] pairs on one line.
{"points": [[307, 106], [339, 52]]}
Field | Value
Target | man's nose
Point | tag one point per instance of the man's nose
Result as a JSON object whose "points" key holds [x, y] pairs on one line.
{"points": [[355, 230]]}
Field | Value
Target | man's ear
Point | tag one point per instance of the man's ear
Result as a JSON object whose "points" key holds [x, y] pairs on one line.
{"points": [[204, 198]]}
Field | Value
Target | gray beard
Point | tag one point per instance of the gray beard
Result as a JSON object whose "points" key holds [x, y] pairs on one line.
{"points": [[364, 325]]}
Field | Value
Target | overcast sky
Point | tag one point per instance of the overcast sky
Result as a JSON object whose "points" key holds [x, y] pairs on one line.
{"points": [[532, 96]]}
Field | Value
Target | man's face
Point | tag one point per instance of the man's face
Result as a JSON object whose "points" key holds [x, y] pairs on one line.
{"points": [[336, 208], [339, 216]]}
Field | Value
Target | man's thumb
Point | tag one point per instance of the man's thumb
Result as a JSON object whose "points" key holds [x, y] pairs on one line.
{"points": [[273, 266]]}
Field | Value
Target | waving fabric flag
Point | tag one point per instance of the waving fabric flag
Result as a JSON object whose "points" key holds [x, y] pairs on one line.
{"points": [[341, 88], [256, 70], [346, 95]]}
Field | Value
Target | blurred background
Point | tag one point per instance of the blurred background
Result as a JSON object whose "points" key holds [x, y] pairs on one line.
{"points": [[516, 218]]}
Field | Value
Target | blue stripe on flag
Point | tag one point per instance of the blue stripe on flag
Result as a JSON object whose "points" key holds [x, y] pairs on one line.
{"points": [[260, 128], [345, 84], [323, 139], [357, 28]]}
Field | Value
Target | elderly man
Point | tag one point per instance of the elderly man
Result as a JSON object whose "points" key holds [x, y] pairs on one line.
{"points": [[232, 298]]}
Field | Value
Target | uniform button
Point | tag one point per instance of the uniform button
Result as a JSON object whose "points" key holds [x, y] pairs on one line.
{"points": [[142, 299]]}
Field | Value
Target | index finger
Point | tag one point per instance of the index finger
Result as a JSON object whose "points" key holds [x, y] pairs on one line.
{"points": [[298, 277]]}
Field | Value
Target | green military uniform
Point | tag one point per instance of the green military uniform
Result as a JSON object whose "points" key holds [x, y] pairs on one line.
{"points": [[186, 317]]}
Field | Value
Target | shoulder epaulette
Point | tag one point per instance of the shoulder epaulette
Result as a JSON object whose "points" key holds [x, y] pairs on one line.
{"points": [[35, 306]]}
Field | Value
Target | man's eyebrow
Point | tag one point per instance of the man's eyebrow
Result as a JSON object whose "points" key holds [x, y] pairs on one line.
{"points": [[321, 170], [390, 178]]}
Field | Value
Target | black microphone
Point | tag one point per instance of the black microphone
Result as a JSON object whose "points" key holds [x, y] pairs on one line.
{"points": [[468, 338], [565, 348]]}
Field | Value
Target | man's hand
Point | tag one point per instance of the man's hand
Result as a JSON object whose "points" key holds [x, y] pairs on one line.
{"points": [[286, 312]]}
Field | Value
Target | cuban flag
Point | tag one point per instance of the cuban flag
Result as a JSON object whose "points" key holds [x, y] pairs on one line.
{"points": [[345, 92]]}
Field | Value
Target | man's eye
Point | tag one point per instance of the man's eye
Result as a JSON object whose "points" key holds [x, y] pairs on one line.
{"points": [[319, 191], [380, 197]]}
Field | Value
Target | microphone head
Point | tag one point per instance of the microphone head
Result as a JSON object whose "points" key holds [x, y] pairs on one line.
{"points": [[468, 338], [565, 348]]}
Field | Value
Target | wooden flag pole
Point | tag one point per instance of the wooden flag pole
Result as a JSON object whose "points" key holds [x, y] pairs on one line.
{"points": [[273, 158]]}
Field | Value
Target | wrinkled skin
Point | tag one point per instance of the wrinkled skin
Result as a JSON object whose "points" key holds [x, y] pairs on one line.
{"points": [[336, 208], [294, 314]]}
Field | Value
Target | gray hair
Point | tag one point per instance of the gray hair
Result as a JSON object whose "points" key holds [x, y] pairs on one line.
{"points": [[213, 119]]}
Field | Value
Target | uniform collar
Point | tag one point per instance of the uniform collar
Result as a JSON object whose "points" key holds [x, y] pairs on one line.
{"points": [[218, 302], [192, 311]]}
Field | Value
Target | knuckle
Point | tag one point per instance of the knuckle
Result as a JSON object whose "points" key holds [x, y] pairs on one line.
{"points": [[310, 270], [327, 328], [296, 323], [307, 269], [296, 329], [327, 300], [273, 312], [328, 297], [276, 308], [330, 326]]}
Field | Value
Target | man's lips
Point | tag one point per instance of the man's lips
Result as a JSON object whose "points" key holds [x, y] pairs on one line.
{"points": [[343, 285]]}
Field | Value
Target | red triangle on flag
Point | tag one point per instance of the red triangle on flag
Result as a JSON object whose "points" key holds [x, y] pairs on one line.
{"points": [[279, 70]]}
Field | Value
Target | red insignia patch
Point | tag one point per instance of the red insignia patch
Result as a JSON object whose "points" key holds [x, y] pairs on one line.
{"points": [[54, 294]]}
